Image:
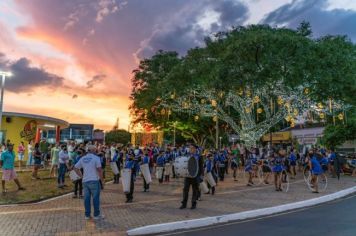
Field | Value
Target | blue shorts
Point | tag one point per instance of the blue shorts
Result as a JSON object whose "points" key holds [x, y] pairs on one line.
{"points": [[277, 169]]}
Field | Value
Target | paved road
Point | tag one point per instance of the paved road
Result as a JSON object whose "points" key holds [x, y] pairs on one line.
{"points": [[335, 219]]}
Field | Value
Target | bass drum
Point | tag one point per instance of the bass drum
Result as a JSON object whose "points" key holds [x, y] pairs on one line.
{"points": [[210, 179], [186, 167], [114, 168], [146, 173], [126, 180]]}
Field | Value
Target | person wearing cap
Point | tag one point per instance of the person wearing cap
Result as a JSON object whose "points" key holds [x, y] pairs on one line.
{"points": [[92, 173], [7, 162]]}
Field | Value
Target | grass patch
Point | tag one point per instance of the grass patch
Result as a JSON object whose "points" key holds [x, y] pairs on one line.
{"points": [[37, 189]]}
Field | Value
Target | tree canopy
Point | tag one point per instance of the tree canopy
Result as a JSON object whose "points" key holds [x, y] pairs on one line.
{"points": [[246, 57]]}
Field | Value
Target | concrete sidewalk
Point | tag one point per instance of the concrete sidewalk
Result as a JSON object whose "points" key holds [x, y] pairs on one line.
{"points": [[64, 216]]}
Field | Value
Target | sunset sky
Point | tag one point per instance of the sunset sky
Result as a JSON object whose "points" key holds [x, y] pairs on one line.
{"points": [[72, 59]]}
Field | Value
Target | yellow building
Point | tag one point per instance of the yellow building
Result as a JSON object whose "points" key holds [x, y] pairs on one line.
{"points": [[17, 127]]}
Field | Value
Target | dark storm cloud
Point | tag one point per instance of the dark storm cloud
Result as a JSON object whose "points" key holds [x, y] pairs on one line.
{"points": [[25, 78], [185, 31], [323, 21]]}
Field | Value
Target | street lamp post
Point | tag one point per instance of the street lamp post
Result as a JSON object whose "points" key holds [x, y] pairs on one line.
{"points": [[220, 143], [174, 134], [233, 141], [3, 75]]}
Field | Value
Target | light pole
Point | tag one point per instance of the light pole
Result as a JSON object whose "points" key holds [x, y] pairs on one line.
{"points": [[174, 133], [233, 141], [3, 77], [220, 142]]}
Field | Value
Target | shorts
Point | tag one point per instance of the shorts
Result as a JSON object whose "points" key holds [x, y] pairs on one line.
{"points": [[20, 156], [38, 161], [293, 163], [8, 175], [277, 169]]}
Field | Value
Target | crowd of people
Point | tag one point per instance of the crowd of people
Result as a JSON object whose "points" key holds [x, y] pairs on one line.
{"points": [[89, 161]]}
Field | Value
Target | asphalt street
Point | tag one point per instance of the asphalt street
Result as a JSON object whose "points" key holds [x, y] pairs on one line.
{"points": [[337, 218]]}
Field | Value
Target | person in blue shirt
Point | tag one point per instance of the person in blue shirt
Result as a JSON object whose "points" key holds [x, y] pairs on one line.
{"points": [[130, 163], [324, 162], [222, 165], [292, 163], [160, 167], [117, 159], [316, 170], [167, 165], [145, 160], [250, 166], [209, 168], [7, 161], [278, 168]]}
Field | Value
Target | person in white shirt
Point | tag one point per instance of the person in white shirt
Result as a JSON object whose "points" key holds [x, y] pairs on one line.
{"points": [[63, 166], [91, 165]]}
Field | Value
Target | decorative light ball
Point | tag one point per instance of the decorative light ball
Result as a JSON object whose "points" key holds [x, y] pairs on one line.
{"points": [[196, 118], [221, 94], [185, 105], [322, 115], [163, 111], [248, 93], [146, 111], [320, 105], [202, 101], [340, 116], [215, 118], [173, 96], [287, 105], [240, 92], [158, 99], [292, 125], [259, 110], [288, 118], [214, 103], [306, 91], [295, 112], [256, 99], [247, 109], [279, 100], [169, 112]]}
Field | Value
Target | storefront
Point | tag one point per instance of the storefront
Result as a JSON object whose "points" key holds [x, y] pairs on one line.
{"points": [[17, 127], [284, 137]]}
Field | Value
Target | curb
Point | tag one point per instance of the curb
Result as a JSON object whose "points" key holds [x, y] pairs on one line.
{"points": [[207, 221]]}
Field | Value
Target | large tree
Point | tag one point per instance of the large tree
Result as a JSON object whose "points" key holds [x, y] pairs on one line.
{"points": [[245, 60]]}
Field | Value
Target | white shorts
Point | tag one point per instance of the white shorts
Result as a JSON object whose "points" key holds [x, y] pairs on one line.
{"points": [[20, 156]]}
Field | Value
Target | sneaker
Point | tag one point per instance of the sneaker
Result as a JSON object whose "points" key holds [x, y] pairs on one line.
{"points": [[194, 206], [21, 189], [75, 196], [87, 218], [99, 217]]}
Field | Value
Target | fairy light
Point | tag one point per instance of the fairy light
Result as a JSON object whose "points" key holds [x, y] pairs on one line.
{"points": [[249, 123]]}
